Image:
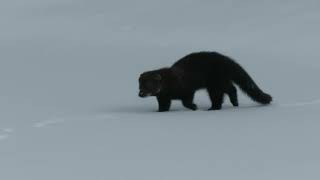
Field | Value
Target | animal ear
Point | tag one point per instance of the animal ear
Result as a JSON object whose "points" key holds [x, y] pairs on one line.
{"points": [[158, 77]]}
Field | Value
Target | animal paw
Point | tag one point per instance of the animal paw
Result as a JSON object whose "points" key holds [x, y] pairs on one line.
{"points": [[214, 108]]}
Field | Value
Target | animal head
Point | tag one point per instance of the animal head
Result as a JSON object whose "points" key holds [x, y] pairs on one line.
{"points": [[150, 84]]}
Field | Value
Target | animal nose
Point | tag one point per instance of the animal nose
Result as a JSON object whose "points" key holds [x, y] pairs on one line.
{"points": [[141, 94]]}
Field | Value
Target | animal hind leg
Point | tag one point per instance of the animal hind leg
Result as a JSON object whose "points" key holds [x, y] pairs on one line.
{"points": [[232, 93], [216, 97]]}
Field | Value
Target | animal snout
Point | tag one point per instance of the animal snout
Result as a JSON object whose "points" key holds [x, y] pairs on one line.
{"points": [[142, 94]]}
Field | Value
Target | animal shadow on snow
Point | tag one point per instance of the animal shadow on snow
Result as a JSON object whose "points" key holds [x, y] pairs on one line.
{"points": [[138, 109], [127, 109]]}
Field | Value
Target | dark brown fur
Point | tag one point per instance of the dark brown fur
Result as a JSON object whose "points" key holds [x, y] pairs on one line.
{"points": [[204, 70]]}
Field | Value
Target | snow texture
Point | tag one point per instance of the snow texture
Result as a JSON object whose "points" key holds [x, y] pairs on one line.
{"points": [[69, 106]]}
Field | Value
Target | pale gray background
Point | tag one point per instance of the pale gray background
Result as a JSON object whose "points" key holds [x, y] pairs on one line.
{"points": [[68, 90]]}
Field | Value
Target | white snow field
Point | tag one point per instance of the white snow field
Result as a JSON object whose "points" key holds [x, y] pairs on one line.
{"points": [[69, 106]]}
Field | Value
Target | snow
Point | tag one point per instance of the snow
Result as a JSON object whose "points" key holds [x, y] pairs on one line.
{"points": [[69, 106]]}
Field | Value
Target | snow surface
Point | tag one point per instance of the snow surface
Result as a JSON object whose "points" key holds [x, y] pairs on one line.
{"points": [[69, 108]]}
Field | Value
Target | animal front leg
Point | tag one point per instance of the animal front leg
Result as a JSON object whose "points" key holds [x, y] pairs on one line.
{"points": [[164, 104], [188, 102]]}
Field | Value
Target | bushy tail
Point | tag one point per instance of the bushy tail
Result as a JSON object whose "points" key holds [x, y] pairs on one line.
{"points": [[246, 83]]}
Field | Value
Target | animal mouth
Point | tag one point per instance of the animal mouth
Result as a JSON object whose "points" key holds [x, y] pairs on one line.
{"points": [[143, 95]]}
